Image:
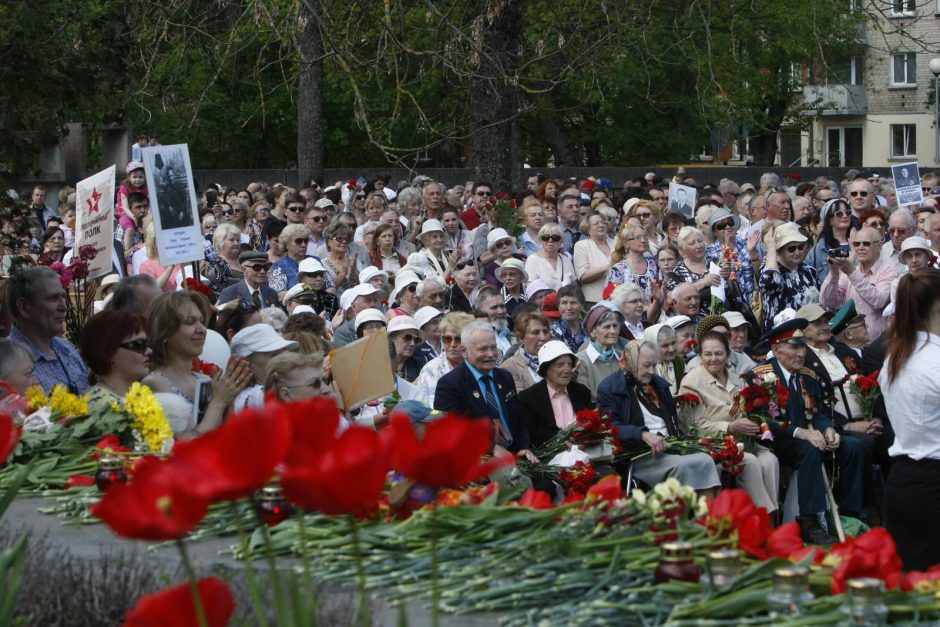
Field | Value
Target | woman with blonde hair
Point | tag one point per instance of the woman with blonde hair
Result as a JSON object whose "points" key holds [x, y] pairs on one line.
{"points": [[295, 377], [633, 263], [647, 212], [224, 269], [166, 276], [694, 267], [550, 264]]}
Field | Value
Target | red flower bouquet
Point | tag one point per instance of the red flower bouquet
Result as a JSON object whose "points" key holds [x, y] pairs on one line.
{"points": [[728, 455], [764, 401], [593, 427], [868, 391], [578, 478]]}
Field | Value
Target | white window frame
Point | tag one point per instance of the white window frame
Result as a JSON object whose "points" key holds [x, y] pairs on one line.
{"points": [[908, 8], [907, 140], [908, 81]]}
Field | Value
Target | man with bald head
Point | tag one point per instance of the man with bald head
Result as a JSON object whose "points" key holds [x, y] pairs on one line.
{"points": [[861, 196], [863, 277]]}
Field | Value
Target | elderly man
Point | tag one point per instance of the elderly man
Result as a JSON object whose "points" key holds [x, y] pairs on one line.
{"points": [[686, 301], [869, 284], [490, 303], [861, 196], [901, 225], [134, 294], [37, 303], [569, 219], [806, 436], [785, 281], [432, 199], [430, 293], [533, 217], [477, 388], [254, 289], [356, 299]]}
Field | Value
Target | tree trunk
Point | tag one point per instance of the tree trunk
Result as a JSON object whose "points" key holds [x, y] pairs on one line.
{"points": [[310, 151], [494, 101]]}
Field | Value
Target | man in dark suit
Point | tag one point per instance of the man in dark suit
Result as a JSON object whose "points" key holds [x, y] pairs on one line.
{"points": [[254, 289], [477, 388], [806, 433]]}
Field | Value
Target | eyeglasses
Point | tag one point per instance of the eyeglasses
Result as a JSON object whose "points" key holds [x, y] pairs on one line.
{"points": [[721, 226], [551, 238], [317, 383], [876, 224], [863, 194], [260, 267], [412, 339], [450, 339], [861, 243], [296, 208], [644, 215], [210, 226], [795, 247], [841, 213], [503, 243], [317, 218], [897, 230], [302, 241], [141, 345], [228, 212], [341, 240]]}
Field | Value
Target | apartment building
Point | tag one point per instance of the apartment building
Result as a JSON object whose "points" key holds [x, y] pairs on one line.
{"points": [[875, 109]]}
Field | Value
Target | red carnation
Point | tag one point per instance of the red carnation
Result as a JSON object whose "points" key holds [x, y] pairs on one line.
{"points": [[536, 499]]}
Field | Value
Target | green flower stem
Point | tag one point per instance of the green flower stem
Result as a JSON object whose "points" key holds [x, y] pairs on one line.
{"points": [[193, 585], [435, 578], [363, 614], [279, 598], [305, 561], [249, 568]]}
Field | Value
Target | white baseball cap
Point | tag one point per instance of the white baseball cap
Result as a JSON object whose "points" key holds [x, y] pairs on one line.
{"points": [[426, 314], [299, 309], [734, 319], [538, 285], [363, 289], [677, 322], [310, 265], [370, 272], [402, 323], [369, 315], [259, 338], [323, 203]]}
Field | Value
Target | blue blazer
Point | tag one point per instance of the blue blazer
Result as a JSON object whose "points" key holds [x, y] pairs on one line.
{"points": [[458, 392], [616, 397], [241, 292]]}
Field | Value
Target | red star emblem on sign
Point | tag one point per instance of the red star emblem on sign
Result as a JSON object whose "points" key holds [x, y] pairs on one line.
{"points": [[93, 206]]}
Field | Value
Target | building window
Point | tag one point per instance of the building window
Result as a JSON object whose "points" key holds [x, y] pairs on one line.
{"points": [[845, 71], [904, 69], [903, 140], [903, 7]]}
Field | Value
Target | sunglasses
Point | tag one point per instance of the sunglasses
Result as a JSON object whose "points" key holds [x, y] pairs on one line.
{"points": [[210, 226], [260, 267], [644, 215], [317, 218], [795, 247], [551, 238], [140, 345], [840, 213], [413, 339], [463, 264], [341, 240], [503, 243], [450, 339], [228, 212], [296, 208], [481, 193], [360, 196], [861, 243], [859, 193], [302, 241], [721, 226]]}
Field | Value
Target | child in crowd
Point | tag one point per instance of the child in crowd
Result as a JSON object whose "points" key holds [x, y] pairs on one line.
{"points": [[136, 182]]}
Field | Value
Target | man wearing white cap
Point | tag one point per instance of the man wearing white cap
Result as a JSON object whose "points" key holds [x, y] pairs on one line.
{"points": [[257, 343], [428, 320], [354, 300]]}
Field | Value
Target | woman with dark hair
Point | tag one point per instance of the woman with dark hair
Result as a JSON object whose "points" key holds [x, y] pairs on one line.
{"points": [[384, 253], [53, 243], [234, 316], [339, 262], [836, 220], [672, 224], [910, 383], [177, 331], [115, 347]]}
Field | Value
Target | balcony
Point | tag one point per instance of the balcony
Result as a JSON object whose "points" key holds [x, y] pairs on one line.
{"points": [[830, 100]]}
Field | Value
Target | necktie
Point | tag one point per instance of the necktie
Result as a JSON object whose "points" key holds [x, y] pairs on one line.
{"points": [[796, 392], [256, 297], [493, 402]]}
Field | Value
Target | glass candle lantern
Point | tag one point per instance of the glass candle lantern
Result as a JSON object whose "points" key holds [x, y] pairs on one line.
{"points": [[675, 563], [272, 506], [864, 602], [790, 592], [109, 473]]}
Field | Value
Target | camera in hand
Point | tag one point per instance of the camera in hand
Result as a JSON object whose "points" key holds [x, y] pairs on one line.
{"points": [[839, 253]]}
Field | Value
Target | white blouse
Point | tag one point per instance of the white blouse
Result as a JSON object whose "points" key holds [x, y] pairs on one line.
{"points": [[557, 276], [913, 401]]}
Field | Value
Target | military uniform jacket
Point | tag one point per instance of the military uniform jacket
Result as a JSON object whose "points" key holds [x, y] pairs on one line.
{"points": [[803, 410]]}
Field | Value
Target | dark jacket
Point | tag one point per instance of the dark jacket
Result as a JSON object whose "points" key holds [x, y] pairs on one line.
{"points": [[797, 413], [537, 415], [240, 291], [458, 392], [456, 300], [617, 397]]}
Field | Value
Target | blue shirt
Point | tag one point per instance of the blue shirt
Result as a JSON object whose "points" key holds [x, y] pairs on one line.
{"points": [[529, 245], [64, 366], [492, 391], [283, 274]]}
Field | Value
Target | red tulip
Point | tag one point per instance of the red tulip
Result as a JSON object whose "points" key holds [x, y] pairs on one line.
{"points": [[235, 460], [449, 455], [919, 581], [9, 436], [731, 506], [607, 489], [175, 606], [79, 480], [108, 444], [156, 505], [872, 554], [346, 479], [785, 541], [536, 499], [313, 425]]}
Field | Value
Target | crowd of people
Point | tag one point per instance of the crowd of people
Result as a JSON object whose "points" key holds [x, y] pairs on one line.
{"points": [[592, 297]]}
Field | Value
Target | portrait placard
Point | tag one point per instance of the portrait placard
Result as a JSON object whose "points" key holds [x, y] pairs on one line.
{"points": [[682, 199], [907, 183], [94, 222], [173, 204]]}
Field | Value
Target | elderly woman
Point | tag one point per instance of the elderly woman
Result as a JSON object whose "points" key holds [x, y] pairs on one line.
{"points": [[511, 275], [53, 243], [551, 404], [225, 269], [734, 252], [672, 224], [339, 260], [644, 412], [258, 343], [631, 302], [384, 251], [261, 213], [599, 357], [451, 356], [532, 329], [16, 365], [499, 243], [117, 351], [694, 267], [293, 377], [432, 260], [549, 264], [405, 336], [177, 331], [459, 296], [283, 274], [670, 365], [592, 257], [719, 415]]}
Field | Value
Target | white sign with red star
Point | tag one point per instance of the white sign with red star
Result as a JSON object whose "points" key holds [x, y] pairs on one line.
{"points": [[95, 221]]}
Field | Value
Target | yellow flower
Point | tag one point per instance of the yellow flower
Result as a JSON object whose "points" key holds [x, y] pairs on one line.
{"points": [[36, 397], [149, 419], [66, 403]]}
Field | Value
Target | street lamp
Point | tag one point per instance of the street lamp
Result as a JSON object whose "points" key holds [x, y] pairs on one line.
{"points": [[934, 66]]}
